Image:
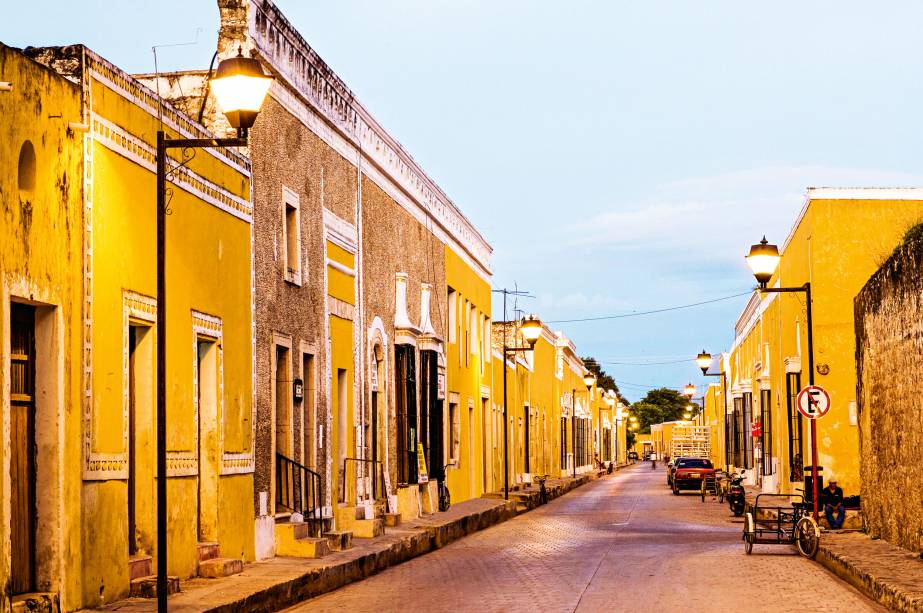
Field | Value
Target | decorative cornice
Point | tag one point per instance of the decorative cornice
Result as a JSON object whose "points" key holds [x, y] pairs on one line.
{"points": [[300, 68], [121, 141]]}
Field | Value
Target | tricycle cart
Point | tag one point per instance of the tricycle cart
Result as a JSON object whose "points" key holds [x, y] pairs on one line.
{"points": [[715, 485], [786, 523]]}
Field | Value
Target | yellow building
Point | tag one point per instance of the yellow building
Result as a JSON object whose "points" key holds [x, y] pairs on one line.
{"points": [[108, 481], [468, 374], [643, 444], [831, 247], [714, 416], [556, 426], [41, 267]]}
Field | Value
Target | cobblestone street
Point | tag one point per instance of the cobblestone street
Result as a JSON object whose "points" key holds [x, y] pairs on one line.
{"points": [[621, 543]]}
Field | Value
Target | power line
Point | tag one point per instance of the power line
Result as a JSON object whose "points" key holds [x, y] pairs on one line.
{"points": [[644, 386], [649, 363], [651, 312]]}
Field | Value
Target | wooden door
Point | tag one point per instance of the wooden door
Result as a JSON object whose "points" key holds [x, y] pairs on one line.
{"points": [[22, 448]]}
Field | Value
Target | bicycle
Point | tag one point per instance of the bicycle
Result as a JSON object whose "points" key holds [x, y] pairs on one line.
{"points": [[445, 499], [542, 492]]}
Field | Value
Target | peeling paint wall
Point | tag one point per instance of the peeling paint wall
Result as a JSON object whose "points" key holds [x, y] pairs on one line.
{"points": [[40, 264], [889, 346]]}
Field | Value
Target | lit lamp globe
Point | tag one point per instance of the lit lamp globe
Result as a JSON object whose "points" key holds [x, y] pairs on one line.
{"points": [[763, 260], [687, 416], [240, 86], [531, 328], [703, 360], [689, 390], [589, 379]]}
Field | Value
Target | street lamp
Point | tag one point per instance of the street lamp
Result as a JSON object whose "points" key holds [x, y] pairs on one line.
{"points": [[704, 360], [589, 379], [531, 329], [240, 86], [763, 260], [689, 390]]}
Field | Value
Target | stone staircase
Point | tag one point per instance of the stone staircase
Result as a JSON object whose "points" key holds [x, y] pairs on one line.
{"points": [[143, 581], [295, 540], [353, 519], [212, 566]]}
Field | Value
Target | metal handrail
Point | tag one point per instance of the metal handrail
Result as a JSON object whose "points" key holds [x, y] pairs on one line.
{"points": [[298, 488], [379, 474]]}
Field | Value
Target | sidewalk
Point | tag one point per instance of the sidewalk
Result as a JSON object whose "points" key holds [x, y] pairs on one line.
{"points": [[283, 581], [888, 574], [885, 573]]}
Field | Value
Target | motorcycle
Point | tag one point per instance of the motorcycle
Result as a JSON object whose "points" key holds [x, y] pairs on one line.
{"points": [[736, 496]]}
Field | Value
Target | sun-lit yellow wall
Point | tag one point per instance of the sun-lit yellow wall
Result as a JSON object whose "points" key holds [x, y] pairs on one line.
{"points": [[208, 271], [714, 419], [545, 404], [832, 246], [41, 261], [469, 376], [640, 440]]}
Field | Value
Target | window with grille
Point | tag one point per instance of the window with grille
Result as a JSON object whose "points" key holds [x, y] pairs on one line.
{"points": [[406, 413], [795, 426], [766, 435], [738, 432], [747, 430], [563, 443]]}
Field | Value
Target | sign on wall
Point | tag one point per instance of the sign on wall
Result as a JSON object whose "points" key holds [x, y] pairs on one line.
{"points": [[421, 465]]}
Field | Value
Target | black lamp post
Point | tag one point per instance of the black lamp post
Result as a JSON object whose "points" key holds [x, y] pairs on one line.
{"points": [[531, 328], [609, 400], [240, 86], [763, 260], [704, 362], [589, 379]]}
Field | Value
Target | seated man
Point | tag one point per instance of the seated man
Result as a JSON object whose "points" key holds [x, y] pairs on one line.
{"points": [[833, 503]]}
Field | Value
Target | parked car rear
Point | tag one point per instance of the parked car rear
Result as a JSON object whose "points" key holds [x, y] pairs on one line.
{"points": [[671, 468], [688, 473]]}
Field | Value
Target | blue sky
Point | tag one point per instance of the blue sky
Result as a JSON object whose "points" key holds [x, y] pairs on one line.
{"points": [[619, 156]]}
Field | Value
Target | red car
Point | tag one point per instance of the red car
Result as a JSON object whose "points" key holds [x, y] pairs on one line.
{"points": [[689, 473]]}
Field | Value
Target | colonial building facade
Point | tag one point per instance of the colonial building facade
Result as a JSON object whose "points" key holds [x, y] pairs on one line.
{"points": [[831, 247], [81, 335], [330, 350]]}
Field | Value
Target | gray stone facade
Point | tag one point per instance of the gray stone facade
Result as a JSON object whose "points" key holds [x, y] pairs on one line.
{"points": [[889, 347]]}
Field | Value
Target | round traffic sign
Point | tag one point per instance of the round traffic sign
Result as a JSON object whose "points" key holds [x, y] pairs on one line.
{"points": [[813, 402]]}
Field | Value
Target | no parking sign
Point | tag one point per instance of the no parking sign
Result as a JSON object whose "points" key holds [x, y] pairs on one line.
{"points": [[813, 402]]}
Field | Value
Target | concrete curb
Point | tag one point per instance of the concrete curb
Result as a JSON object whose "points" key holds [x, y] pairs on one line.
{"points": [[872, 579], [322, 580]]}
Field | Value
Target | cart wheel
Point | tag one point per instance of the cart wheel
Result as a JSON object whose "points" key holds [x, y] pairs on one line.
{"points": [[807, 537], [749, 534]]}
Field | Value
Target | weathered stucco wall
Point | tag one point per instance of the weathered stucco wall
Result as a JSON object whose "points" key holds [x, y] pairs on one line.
{"points": [[41, 218], [889, 343]]}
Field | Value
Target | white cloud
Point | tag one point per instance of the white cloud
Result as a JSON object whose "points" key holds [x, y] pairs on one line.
{"points": [[718, 216]]}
